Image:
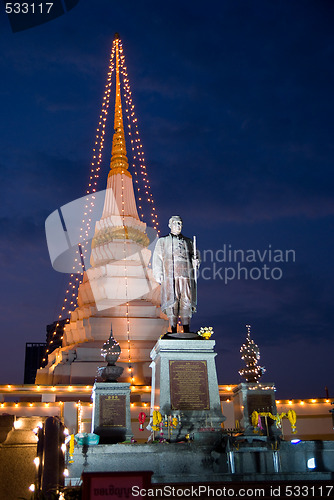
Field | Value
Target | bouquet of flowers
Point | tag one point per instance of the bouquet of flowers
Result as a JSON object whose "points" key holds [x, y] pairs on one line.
{"points": [[205, 331]]}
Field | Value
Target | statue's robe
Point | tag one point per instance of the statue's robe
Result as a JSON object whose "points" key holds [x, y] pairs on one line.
{"points": [[172, 259]]}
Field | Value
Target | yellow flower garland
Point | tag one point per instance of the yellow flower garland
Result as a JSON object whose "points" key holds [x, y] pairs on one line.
{"points": [[255, 418], [291, 415], [157, 419], [71, 449], [292, 419]]}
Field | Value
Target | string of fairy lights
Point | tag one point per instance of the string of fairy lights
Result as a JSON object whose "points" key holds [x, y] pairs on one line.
{"points": [[142, 184], [130, 369], [144, 193], [79, 414], [120, 123], [76, 276], [250, 354], [84, 408]]}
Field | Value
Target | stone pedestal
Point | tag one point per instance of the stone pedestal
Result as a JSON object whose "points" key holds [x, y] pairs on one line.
{"points": [[111, 418], [248, 397], [184, 384]]}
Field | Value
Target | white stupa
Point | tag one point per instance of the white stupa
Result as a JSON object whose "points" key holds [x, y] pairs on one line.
{"points": [[118, 291]]}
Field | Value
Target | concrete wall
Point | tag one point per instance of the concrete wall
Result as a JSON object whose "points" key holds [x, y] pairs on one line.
{"points": [[193, 463]]}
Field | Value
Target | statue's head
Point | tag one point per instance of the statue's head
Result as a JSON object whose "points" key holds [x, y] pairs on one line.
{"points": [[175, 224]]}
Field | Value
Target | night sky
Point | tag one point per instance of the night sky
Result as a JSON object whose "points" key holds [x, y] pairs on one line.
{"points": [[235, 106]]}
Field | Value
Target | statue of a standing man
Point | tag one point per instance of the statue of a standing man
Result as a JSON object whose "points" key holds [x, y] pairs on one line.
{"points": [[175, 266]]}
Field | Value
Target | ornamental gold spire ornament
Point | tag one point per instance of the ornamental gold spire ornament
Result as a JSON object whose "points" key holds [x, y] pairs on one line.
{"points": [[119, 161], [120, 199], [250, 354]]}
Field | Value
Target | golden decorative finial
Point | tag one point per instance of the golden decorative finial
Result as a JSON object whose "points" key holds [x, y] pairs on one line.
{"points": [[119, 161]]}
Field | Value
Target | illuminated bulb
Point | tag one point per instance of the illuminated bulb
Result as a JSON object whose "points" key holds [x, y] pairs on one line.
{"points": [[66, 472], [32, 487], [290, 402], [311, 463], [63, 447], [18, 424], [37, 461]]}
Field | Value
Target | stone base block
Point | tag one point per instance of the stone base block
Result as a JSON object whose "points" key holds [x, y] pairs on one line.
{"points": [[111, 412], [184, 385]]}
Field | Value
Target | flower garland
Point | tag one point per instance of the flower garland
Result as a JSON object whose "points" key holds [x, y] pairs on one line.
{"points": [[255, 418], [71, 449], [291, 415], [292, 419], [174, 422], [171, 422], [157, 420], [141, 418]]}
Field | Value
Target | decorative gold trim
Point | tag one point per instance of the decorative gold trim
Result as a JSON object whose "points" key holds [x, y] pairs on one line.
{"points": [[120, 233], [119, 170]]}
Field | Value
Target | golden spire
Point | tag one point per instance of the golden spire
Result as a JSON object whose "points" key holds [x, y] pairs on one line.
{"points": [[119, 162]]}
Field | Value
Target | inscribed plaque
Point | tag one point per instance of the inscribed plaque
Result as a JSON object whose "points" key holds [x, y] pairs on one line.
{"points": [[189, 385], [113, 411], [259, 402]]}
